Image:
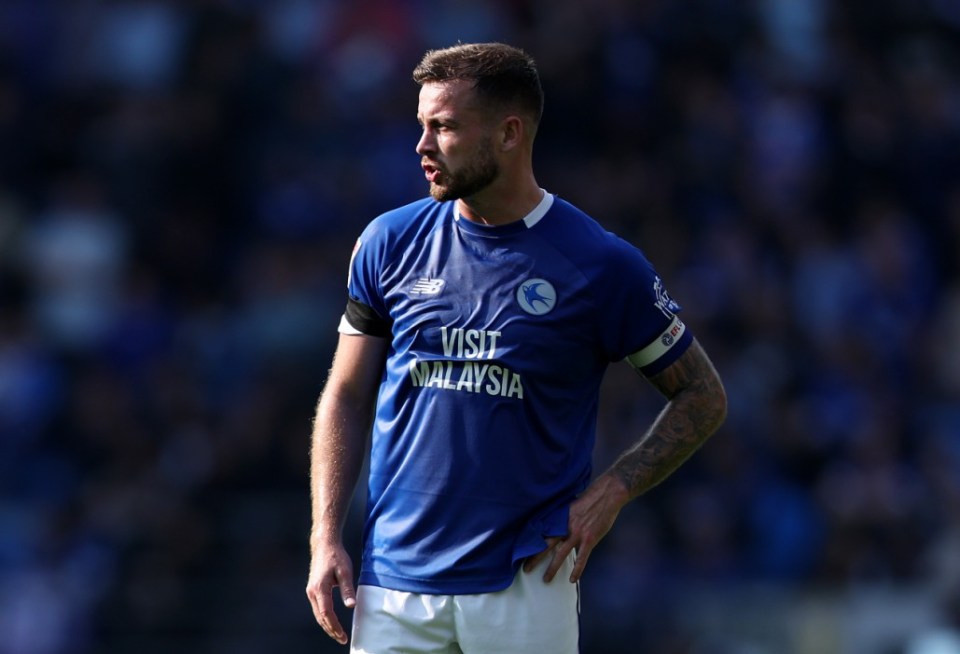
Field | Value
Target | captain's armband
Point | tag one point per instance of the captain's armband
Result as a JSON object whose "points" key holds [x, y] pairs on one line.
{"points": [[663, 350]]}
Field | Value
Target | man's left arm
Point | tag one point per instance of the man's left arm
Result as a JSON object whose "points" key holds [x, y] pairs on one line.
{"points": [[696, 407]]}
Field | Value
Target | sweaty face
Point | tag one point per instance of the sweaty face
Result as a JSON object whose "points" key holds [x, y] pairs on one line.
{"points": [[456, 150]]}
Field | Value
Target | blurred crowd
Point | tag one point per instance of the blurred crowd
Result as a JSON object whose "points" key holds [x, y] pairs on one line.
{"points": [[181, 184]]}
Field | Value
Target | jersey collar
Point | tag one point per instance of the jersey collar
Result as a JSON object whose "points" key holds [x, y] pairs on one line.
{"points": [[526, 222]]}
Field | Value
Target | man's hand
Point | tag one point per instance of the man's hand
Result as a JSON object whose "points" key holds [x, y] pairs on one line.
{"points": [[697, 406], [591, 517], [330, 566]]}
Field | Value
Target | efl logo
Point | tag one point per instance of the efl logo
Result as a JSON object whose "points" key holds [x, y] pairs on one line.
{"points": [[426, 286], [671, 334]]}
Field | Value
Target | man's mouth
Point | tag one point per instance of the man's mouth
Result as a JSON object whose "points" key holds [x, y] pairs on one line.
{"points": [[430, 171]]}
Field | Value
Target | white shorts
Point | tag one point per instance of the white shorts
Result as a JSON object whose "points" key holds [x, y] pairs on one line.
{"points": [[528, 617]]}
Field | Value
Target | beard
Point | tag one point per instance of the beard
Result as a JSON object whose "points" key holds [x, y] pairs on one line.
{"points": [[469, 180]]}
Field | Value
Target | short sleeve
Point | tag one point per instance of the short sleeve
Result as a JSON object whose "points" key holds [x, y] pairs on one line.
{"points": [[640, 321], [366, 311]]}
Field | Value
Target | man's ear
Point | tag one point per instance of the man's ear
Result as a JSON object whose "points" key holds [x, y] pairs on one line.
{"points": [[512, 132]]}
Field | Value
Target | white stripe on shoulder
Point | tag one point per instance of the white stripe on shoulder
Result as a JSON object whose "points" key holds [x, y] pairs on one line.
{"points": [[660, 346]]}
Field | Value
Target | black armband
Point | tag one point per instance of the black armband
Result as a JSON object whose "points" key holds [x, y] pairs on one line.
{"points": [[365, 320]]}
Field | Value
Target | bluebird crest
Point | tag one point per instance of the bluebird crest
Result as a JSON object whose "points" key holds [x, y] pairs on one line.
{"points": [[536, 296]]}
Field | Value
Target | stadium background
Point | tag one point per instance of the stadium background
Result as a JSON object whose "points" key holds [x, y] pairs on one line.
{"points": [[180, 187]]}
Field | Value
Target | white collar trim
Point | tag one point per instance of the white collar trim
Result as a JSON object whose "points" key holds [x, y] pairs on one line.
{"points": [[540, 210], [531, 218]]}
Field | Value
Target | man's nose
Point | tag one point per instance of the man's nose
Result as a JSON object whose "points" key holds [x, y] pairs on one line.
{"points": [[427, 143]]}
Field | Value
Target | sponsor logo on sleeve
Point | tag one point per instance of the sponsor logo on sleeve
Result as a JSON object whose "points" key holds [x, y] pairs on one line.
{"points": [[663, 301]]}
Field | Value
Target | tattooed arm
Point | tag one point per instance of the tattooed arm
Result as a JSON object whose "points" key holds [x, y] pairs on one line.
{"points": [[696, 407]]}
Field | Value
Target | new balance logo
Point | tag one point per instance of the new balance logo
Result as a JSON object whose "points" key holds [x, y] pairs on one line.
{"points": [[426, 286]]}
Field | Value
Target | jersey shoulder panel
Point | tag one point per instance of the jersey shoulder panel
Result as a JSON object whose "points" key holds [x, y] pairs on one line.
{"points": [[385, 244], [631, 304], [399, 225], [586, 241]]}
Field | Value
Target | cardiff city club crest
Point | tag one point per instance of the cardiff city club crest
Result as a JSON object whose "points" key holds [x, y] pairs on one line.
{"points": [[536, 296]]}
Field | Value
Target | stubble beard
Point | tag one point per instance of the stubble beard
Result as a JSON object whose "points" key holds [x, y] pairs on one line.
{"points": [[471, 179]]}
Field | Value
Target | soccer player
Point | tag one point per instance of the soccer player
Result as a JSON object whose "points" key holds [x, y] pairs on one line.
{"points": [[478, 327]]}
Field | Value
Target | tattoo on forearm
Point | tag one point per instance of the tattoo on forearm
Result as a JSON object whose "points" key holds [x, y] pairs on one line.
{"points": [[696, 408]]}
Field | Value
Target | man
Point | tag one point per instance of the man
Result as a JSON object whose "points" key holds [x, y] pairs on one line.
{"points": [[478, 327]]}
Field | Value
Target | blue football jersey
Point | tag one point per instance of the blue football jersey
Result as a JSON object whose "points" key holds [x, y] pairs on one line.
{"points": [[486, 416]]}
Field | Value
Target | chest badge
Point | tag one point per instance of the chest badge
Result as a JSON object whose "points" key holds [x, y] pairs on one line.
{"points": [[536, 296]]}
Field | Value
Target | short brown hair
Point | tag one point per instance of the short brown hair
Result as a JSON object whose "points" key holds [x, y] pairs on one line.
{"points": [[503, 75]]}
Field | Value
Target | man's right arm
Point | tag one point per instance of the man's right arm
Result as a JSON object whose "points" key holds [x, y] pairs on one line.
{"points": [[340, 428]]}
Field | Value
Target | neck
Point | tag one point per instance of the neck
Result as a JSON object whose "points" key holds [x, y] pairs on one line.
{"points": [[503, 201]]}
